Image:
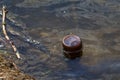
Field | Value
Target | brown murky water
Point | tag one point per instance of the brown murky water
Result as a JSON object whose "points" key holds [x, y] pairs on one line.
{"points": [[40, 25]]}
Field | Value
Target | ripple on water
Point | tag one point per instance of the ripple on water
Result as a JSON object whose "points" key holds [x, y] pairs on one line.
{"points": [[95, 21]]}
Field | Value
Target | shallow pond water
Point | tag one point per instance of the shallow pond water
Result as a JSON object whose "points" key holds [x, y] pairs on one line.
{"points": [[38, 26]]}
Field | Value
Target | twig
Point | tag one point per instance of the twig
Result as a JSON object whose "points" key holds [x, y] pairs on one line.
{"points": [[4, 11]]}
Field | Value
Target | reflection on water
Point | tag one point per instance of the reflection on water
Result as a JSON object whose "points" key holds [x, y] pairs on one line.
{"points": [[47, 21]]}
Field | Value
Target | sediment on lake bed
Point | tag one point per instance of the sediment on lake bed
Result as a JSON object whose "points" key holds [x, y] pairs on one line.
{"points": [[10, 71]]}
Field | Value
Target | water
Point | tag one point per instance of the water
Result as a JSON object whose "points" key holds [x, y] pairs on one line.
{"points": [[38, 26]]}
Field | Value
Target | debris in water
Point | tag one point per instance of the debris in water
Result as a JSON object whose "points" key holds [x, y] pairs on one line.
{"points": [[72, 46], [4, 11]]}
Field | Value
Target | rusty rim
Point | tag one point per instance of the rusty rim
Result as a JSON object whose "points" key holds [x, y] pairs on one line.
{"points": [[76, 38]]}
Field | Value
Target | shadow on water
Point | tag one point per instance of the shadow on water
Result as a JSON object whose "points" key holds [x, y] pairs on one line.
{"points": [[38, 37]]}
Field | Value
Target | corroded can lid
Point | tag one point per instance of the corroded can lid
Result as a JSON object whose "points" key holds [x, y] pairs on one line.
{"points": [[71, 41]]}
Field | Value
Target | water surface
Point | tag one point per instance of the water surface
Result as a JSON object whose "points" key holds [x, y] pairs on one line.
{"points": [[38, 28]]}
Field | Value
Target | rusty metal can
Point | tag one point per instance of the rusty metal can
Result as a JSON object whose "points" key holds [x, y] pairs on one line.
{"points": [[72, 46]]}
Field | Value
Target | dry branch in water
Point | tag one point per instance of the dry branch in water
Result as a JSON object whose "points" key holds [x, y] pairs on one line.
{"points": [[4, 11]]}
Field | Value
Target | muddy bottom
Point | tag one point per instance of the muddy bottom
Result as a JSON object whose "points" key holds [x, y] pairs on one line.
{"points": [[10, 71]]}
